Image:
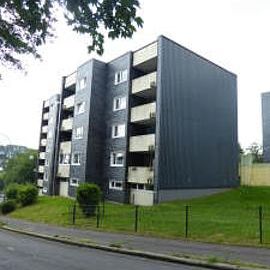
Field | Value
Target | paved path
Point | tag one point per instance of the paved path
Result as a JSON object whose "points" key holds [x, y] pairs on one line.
{"points": [[163, 246], [24, 253]]}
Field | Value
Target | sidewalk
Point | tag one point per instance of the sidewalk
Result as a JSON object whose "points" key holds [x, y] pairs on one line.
{"points": [[162, 246]]}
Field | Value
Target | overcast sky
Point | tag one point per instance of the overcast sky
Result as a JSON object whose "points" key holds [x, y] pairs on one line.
{"points": [[232, 33]]}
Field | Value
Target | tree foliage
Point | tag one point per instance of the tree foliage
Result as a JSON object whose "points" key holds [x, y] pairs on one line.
{"points": [[27, 24], [257, 152], [21, 168]]}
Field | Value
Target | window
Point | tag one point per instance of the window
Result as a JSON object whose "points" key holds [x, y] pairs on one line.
{"points": [[78, 133], [80, 108], [45, 178], [116, 185], [46, 162], [117, 159], [120, 76], [118, 131], [44, 190], [74, 182], [119, 103], [76, 159], [50, 134], [64, 158], [82, 83]]}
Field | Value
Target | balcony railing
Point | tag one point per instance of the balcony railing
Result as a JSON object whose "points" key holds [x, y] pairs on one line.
{"points": [[70, 80], [45, 116], [143, 112], [44, 129], [40, 182], [141, 175], [142, 197], [69, 102], [144, 83], [63, 170], [67, 124], [41, 169], [142, 143], [42, 155], [145, 54], [65, 147], [43, 142]]}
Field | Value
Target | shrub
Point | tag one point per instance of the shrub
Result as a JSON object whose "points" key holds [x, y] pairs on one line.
{"points": [[12, 192], [8, 206], [28, 194], [88, 197]]}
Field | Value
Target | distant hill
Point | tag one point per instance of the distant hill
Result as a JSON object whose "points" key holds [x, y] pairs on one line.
{"points": [[9, 151]]}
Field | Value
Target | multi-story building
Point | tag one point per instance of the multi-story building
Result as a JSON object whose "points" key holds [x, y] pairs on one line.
{"points": [[266, 125], [156, 124]]}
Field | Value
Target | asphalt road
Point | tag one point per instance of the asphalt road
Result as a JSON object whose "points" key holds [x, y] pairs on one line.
{"points": [[24, 253]]}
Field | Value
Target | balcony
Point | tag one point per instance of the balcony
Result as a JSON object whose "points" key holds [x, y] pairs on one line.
{"points": [[42, 155], [65, 147], [142, 143], [41, 169], [69, 102], [63, 170], [143, 113], [43, 142], [67, 124], [70, 80], [142, 197], [145, 86], [40, 182], [145, 59], [140, 175], [44, 129], [45, 116]]}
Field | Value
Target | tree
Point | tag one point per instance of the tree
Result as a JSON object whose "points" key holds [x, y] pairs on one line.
{"points": [[21, 168], [256, 150], [27, 24]]}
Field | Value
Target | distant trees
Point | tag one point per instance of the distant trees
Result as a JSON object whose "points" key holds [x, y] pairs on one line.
{"points": [[257, 152]]}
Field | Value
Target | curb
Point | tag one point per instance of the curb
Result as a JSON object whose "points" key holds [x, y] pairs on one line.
{"points": [[138, 253]]}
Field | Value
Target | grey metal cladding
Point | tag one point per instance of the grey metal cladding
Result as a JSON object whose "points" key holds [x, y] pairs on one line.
{"points": [[117, 117], [197, 114], [266, 125]]}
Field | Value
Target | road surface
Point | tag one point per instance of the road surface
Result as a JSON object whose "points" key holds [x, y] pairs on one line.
{"points": [[24, 253]]}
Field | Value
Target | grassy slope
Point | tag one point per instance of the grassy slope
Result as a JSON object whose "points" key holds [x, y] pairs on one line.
{"points": [[227, 217]]}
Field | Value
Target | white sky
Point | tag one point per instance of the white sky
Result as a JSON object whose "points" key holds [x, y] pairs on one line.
{"points": [[232, 33]]}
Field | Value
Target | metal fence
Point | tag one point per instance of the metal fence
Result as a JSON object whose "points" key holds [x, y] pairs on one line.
{"points": [[250, 225]]}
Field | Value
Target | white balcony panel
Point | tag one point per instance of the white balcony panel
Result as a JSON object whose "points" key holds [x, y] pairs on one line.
{"points": [[71, 79], [142, 143], [145, 54], [45, 116], [144, 83], [65, 147], [63, 170], [44, 129], [143, 112], [41, 169], [69, 102], [142, 197], [42, 155], [40, 182], [43, 142], [140, 175], [67, 124]]}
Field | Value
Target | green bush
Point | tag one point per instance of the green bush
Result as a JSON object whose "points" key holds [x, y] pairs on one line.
{"points": [[12, 192], [8, 206], [88, 197], [28, 194]]}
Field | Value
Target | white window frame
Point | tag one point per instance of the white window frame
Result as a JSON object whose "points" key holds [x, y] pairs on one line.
{"points": [[66, 157], [45, 177], [82, 83], [44, 190], [121, 130], [76, 137], [74, 184], [77, 112], [120, 76], [72, 161], [112, 184], [112, 159], [46, 162], [122, 102]]}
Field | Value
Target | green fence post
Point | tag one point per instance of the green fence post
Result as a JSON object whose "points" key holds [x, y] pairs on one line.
{"points": [[98, 215], [186, 221], [74, 214], [136, 218], [261, 224]]}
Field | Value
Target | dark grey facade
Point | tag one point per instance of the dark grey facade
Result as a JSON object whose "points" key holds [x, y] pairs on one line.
{"points": [[266, 125], [151, 125]]}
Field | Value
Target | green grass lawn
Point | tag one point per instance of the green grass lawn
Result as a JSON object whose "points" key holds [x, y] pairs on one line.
{"points": [[228, 217]]}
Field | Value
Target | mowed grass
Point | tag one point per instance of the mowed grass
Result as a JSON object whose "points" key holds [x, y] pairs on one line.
{"points": [[228, 217]]}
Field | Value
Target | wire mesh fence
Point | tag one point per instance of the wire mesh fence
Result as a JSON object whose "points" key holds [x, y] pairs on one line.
{"points": [[249, 225]]}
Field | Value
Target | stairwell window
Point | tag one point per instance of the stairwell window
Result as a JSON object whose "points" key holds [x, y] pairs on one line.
{"points": [[82, 83], [119, 103], [116, 185], [80, 108], [120, 77], [117, 159], [78, 133], [118, 131], [76, 159], [74, 182]]}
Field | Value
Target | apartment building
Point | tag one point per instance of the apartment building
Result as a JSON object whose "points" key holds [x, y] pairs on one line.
{"points": [[265, 97], [156, 124]]}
